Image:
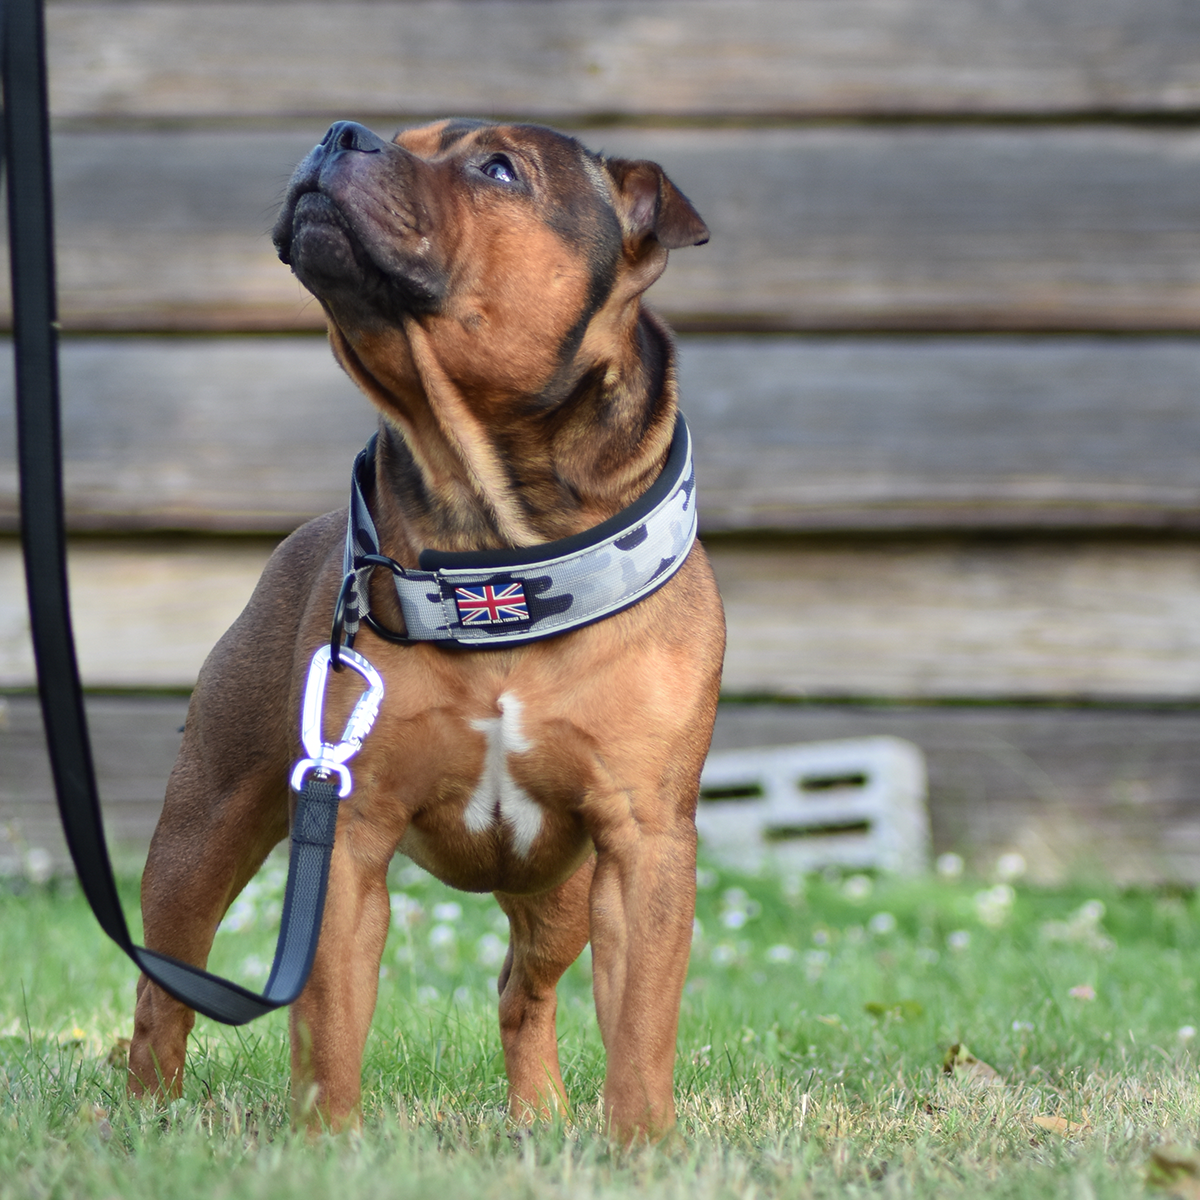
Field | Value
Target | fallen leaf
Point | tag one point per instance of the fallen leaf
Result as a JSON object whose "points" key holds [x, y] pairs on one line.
{"points": [[94, 1114], [901, 1010], [966, 1068], [1061, 1125], [1175, 1171]]}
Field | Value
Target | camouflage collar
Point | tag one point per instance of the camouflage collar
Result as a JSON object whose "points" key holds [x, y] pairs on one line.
{"points": [[508, 597]]}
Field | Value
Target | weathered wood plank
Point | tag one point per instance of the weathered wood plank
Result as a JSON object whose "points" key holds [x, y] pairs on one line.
{"points": [[874, 434], [134, 744], [794, 433], [589, 58], [1071, 790], [986, 619], [234, 434], [975, 618], [813, 228], [145, 614]]}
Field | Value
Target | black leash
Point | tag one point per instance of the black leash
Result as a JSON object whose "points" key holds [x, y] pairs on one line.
{"points": [[35, 336]]}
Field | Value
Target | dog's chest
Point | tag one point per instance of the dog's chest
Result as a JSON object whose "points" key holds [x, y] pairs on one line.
{"points": [[497, 799], [491, 785]]}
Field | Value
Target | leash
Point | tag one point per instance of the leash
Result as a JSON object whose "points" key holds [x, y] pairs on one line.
{"points": [[321, 779]]}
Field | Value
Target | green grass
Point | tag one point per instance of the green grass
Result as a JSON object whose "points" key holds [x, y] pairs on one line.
{"points": [[814, 1027]]}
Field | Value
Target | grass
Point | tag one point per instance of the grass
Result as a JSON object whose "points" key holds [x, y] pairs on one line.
{"points": [[815, 1025]]}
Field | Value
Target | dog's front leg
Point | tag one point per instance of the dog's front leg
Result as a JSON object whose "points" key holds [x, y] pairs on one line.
{"points": [[205, 849], [547, 933], [330, 1019], [643, 902]]}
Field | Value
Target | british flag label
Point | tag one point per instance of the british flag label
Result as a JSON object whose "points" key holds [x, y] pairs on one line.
{"points": [[486, 604]]}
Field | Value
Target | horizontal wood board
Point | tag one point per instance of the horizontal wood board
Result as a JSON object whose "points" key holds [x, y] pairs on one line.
{"points": [[1073, 791], [792, 433], [598, 58], [1054, 618], [920, 227]]}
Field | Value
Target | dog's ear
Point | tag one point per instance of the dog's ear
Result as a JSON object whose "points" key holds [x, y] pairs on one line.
{"points": [[650, 205]]}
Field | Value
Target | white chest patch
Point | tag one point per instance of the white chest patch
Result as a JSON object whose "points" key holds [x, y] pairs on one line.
{"points": [[497, 796]]}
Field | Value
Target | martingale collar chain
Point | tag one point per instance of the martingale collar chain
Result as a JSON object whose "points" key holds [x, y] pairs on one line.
{"points": [[508, 597]]}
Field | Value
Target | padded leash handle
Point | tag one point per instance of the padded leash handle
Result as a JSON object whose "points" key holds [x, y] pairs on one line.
{"points": [[35, 330]]}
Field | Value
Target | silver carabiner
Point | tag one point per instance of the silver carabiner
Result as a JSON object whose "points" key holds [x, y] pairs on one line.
{"points": [[327, 758]]}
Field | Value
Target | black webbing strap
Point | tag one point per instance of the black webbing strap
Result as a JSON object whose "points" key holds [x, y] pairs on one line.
{"points": [[35, 330]]}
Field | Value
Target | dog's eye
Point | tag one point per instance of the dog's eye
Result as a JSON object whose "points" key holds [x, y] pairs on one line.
{"points": [[500, 169]]}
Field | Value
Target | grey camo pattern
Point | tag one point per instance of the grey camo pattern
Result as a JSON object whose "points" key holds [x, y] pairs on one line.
{"points": [[562, 593]]}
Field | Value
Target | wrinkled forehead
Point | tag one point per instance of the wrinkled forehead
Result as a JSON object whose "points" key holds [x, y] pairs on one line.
{"points": [[558, 161]]}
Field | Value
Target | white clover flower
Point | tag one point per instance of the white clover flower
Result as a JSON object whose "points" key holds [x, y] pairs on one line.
{"points": [[792, 886], [242, 914], [1010, 866], [815, 962], [959, 940], [490, 950], [738, 908], [443, 937], [406, 911], [950, 866], [993, 905], [254, 967], [780, 954], [450, 911], [39, 864], [882, 924], [1082, 927], [723, 954], [857, 887]]}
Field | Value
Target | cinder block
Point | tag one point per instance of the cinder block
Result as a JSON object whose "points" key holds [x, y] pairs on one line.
{"points": [[855, 803]]}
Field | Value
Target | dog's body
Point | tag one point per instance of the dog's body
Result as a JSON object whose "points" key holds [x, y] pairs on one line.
{"points": [[482, 286]]}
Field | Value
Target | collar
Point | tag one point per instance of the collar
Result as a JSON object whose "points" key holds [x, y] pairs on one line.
{"points": [[507, 597]]}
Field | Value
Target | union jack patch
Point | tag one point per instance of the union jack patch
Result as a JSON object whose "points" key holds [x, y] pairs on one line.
{"points": [[488, 605]]}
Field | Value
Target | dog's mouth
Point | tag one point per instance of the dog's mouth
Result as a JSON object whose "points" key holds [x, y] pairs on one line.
{"points": [[314, 237], [349, 237]]}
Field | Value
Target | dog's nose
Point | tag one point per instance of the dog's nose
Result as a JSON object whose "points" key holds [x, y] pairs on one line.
{"points": [[349, 135]]}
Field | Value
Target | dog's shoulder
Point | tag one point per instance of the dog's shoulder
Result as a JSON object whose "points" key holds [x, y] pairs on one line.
{"points": [[303, 569]]}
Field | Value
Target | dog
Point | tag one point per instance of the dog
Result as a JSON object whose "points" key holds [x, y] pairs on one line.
{"points": [[482, 285]]}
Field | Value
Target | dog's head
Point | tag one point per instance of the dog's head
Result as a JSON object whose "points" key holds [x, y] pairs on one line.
{"points": [[517, 251]]}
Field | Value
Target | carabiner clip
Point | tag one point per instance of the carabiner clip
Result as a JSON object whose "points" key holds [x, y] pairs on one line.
{"points": [[323, 757]]}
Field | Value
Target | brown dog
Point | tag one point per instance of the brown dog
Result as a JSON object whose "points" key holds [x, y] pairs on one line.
{"points": [[482, 286]]}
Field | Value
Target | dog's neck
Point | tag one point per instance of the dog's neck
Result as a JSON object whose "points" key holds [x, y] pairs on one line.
{"points": [[449, 479]]}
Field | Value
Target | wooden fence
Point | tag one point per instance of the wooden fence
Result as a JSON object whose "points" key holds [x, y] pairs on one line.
{"points": [[940, 355]]}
